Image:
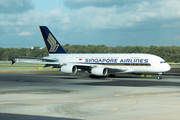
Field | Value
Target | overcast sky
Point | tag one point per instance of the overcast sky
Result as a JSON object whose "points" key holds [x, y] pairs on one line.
{"points": [[109, 22]]}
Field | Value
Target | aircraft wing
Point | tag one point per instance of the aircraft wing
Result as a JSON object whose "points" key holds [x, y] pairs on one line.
{"points": [[111, 69], [118, 69]]}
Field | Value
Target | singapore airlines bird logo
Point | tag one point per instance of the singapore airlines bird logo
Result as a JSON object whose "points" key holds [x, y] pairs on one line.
{"points": [[53, 43]]}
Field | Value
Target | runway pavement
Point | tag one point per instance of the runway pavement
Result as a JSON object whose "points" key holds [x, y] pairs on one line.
{"points": [[58, 97]]}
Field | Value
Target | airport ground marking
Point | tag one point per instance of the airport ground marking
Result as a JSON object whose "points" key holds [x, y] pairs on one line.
{"points": [[37, 106], [70, 112], [110, 79], [146, 75], [114, 109], [131, 96], [146, 95], [73, 74], [118, 95]]}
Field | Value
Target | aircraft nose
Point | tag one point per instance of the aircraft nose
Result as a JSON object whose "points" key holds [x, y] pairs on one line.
{"points": [[167, 67]]}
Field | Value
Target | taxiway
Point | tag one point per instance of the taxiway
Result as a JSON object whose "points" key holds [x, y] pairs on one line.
{"points": [[51, 97]]}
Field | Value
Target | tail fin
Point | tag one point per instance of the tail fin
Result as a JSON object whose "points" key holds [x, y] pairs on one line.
{"points": [[51, 43]]}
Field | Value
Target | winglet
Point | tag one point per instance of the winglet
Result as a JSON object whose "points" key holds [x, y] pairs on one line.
{"points": [[51, 43], [12, 61]]}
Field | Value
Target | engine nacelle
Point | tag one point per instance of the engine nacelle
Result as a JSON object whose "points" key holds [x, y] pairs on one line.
{"points": [[99, 71], [69, 69]]}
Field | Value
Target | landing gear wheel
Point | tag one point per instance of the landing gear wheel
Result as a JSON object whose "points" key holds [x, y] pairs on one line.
{"points": [[159, 77], [111, 75], [93, 76]]}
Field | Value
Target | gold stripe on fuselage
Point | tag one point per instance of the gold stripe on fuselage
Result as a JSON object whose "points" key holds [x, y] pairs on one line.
{"points": [[124, 64]]}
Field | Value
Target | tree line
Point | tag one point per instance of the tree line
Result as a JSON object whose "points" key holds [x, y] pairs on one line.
{"points": [[169, 53]]}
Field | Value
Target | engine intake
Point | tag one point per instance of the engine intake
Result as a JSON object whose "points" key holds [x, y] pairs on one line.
{"points": [[69, 69], [99, 71]]}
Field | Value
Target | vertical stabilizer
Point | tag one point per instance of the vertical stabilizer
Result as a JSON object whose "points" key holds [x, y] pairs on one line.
{"points": [[51, 43]]}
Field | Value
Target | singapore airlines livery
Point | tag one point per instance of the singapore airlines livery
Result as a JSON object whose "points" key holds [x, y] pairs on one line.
{"points": [[99, 64]]}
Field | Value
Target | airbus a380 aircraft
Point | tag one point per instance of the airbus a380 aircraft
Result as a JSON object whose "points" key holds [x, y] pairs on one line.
{"points": [[99, 64]]}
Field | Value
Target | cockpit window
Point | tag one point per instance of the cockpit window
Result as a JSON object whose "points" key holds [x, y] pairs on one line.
{"points": [[163, 62]]}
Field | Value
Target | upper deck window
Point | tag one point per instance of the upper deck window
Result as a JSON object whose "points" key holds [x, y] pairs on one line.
{"points": [[163, 62]]}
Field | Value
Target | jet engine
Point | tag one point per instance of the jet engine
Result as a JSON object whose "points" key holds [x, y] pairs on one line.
{"points": [[99, 71], [69, 69]]}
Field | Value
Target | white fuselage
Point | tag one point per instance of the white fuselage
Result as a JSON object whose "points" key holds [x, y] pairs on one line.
{"points": [[128, 63]]}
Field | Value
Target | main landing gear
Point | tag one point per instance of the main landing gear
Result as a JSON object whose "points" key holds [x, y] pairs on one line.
{"points": [[94, 76], [159, 76], [112, 75]]}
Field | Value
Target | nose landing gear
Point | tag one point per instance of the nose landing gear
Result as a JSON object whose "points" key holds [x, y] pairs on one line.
{"points": [[159, 76]]}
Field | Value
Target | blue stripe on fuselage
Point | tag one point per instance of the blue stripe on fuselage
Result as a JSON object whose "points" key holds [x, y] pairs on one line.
{"points": [[119, 64]]}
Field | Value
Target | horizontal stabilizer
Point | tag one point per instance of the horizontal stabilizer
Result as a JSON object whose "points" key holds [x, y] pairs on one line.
{"points": [[46, 59]]}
